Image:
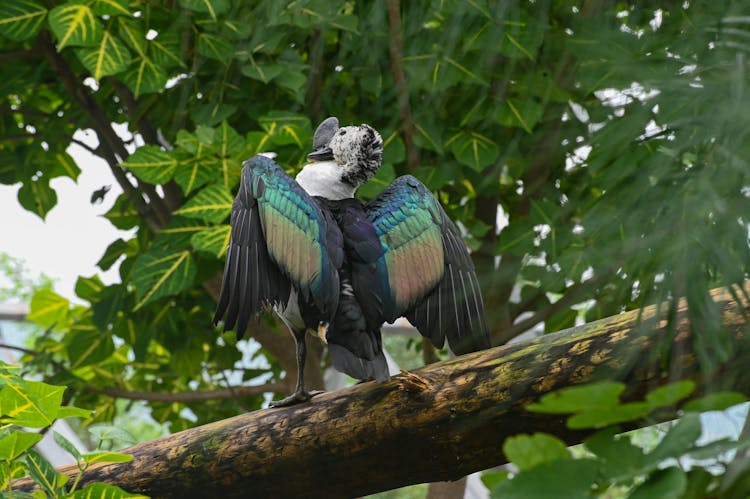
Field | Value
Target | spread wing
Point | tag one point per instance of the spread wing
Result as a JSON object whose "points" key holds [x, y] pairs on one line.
{"points": [[280, 239], [426, 273]]}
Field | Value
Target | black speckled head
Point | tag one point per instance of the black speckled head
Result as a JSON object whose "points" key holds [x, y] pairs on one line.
{"points": [[359, 151]]}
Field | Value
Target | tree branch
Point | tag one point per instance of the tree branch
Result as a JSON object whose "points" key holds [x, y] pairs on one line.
{"points": [[396, 48], [194, 396], [104, 130], [16, 55], [315, 91], [458, 412]]}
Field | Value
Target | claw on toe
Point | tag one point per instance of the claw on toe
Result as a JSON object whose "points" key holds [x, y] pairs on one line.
{"points": [[295, 398]]}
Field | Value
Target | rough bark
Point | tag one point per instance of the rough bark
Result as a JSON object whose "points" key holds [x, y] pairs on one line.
{"points": [[437, 423]]}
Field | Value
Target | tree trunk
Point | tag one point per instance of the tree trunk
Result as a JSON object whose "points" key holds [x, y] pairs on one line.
{"points": [[441, 422]]}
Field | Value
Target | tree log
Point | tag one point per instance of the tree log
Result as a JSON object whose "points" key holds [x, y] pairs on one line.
{"points": [[440, 422]]}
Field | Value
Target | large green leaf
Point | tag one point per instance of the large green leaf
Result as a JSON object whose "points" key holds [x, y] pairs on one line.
{"points": [[287, 129], [63, 165], [112, 7], [86, 345], [44, 474], [212, 204], [152, 164], [519, 113], [145, 77], [473, 149], [528, 451], [668, 483], [16, 443], [159, 273], [228, 143], [75, 24], [194, 173], [215, 47], [30, 403], [20, 19], [103, 491], [213, 8], [264, 72], [164, 50], [37, 196], [561, 479], [214, 240], [109, 57], [48, 308]]}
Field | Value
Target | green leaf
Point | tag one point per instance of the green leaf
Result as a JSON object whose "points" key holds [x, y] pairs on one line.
{"points": [[668, 483], [194, 173], [64, 166], [214, 240], [103, 491], [113, 253], [679, 439], [16, 443], [20, 19], [86, 345], [227, 141], [519, 113], [108, 433], [215, 47], [131, 31], [669, 395], [715, 402], [212, 113], [473, 149], [152, 164], [159, 273], [44, 474], [145, 77], [32, 403], [212, 204], [528, 451], [37, 196], [67, 445], [601, 417], [264, 72], [563, 479], [287, 128], [491, 479], [213, 8], [74, 24], [48, 308], [87, 288], [107, 457], [123, 214], [603, 395], [67, 411], [109, 57], [178, 232], [621, 458], [112, 8], [164, 50]]}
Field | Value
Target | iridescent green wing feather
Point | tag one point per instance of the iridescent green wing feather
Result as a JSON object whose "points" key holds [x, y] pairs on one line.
{"points": [[280, 239], [426, 273]]}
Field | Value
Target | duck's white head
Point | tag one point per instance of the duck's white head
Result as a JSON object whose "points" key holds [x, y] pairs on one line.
{"points": [[350, 158]]}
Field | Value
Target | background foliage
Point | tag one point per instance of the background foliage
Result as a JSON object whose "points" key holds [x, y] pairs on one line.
{"points": [[593, 152]]}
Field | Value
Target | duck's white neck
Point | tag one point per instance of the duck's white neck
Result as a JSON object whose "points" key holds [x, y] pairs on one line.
{"points": [[323, 179]]}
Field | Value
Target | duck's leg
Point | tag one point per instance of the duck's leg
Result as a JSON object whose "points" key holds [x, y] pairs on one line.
{"points": [[300, 394]]}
